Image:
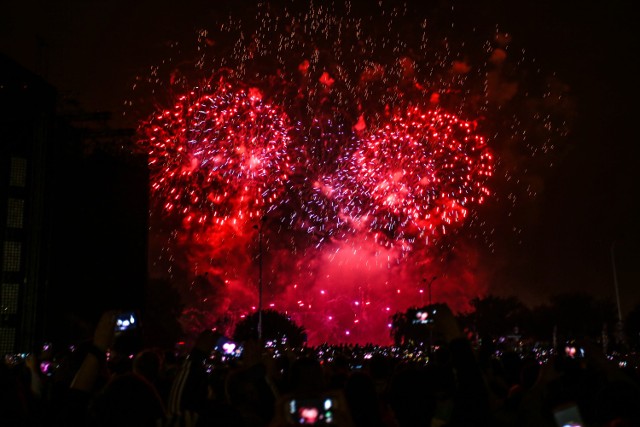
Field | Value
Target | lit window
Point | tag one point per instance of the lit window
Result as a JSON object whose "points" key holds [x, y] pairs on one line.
{"points": [[11, 260], [7, 340], [15, 213], [18, 176], [9, 298]]}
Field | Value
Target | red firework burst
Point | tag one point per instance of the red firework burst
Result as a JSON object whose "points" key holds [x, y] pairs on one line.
{"points": [[220, 154], [401, 179], [421, 171]]}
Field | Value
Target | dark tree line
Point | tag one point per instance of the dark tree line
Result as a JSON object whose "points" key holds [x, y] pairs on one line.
{"points": [[568, 316], [564, 317], [276, 327]]}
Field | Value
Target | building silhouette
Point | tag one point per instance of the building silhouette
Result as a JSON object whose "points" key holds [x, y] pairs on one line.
{"points": [[73, 215]]}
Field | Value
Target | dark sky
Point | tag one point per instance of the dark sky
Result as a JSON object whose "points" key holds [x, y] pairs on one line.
{"points": [[92, 49]]}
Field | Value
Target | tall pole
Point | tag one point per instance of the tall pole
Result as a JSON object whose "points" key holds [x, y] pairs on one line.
{"points": [[431, 314], [430, 283], [615, 280], [619, 334], [260, 281]]}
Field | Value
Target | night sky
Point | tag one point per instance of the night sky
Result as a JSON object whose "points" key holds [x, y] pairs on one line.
{"points": [[92, 50]]}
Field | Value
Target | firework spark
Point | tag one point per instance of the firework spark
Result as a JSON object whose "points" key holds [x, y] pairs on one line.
{"points": [[422, 170], [358, 149], [220, 154]]}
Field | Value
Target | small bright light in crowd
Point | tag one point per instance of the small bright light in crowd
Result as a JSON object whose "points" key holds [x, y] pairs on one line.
{"points": [[125, 323], [228, 347]]}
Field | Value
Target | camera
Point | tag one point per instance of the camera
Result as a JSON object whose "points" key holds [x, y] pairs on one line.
{"points": [[126, 320]]}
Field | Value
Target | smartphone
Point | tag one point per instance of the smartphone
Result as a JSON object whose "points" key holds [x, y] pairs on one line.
{"points": [[568, 415], [311, 411], [15, 359], [425, 316], [47, 367], [574, 352], [126, 320], [228, 347]]}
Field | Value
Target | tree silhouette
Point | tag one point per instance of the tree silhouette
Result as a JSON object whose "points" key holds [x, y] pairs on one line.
{"points": [[275, 327], [399, 325], [580, 315], [632, 327], [414, 327], [495, 316]]}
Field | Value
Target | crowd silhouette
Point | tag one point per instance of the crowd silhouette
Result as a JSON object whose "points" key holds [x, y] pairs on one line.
{"points": [[114, 380]]}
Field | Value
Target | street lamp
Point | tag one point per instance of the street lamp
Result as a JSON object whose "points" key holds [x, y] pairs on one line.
{"points": [[615, 279]]}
